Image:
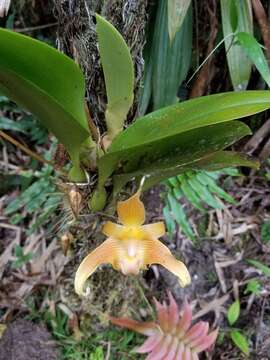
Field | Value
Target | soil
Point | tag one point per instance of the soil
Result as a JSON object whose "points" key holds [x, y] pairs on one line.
{"points": [[24, 340]]}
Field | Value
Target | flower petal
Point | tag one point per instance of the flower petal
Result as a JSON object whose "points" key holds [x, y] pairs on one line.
{"points": [[146, 328], [187, 354], [172, 350], [155, 230], [131, 212], [173, 311], [196, 331], [206, 341], [195, 356], [149, 344], [185, 321], [162, 313], [102, 254], [111, 229], [161, 349], [197, 340], [158, 253], [180, 350]]}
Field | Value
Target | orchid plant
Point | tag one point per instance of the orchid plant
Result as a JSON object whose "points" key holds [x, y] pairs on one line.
{"points": [[190, 135], [171, 337]]}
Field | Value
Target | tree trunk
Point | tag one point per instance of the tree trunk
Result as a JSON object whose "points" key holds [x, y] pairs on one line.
{"points": [[77, 38]]}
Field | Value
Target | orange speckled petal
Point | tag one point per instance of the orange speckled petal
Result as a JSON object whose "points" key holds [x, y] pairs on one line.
{"points": [[102, 254], [131, 211], [155, 230], [158, 253], [111, 229]]}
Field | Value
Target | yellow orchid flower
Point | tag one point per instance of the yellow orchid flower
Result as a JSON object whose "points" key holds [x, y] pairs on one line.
{"points": [[131, 246]]}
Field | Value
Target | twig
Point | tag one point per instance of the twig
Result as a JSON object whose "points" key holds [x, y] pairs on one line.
{"points": [[263, 23], [108, 351], [258, 137], [33, 28], [202, 81], [28, 151], [265, 153]]}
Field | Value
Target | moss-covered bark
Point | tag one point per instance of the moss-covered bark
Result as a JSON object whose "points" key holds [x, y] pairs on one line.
{"points": [[77, 38]]}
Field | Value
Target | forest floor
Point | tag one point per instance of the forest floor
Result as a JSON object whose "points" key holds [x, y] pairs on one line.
{"points": [[37, 312], [40, 315]]}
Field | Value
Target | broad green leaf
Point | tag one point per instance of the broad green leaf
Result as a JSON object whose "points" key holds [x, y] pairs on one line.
{"points": [[240, 341], [47, 83], [233, 15], [255, 54], [189, 115], [223, 159], [118, 71], [265, 269], [171, 59], [179, 152], [213, 162], [238, 62], [180, 216], [177, 10], [233, 312], [161, 129], [145, 93]]}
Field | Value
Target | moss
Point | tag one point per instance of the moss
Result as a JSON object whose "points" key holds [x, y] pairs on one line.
{"points": [[77, 38]]}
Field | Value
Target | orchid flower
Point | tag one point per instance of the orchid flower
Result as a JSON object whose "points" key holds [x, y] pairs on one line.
{"points": [[131, 246], [172, 337]]}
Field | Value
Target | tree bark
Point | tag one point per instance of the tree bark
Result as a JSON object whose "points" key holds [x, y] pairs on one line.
{"points": [[77, 38]]}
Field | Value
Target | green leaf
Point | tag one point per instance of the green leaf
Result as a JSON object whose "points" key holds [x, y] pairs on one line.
{"points": [[153, 131], [189, 193], [204, 193], [233, 312], [265, 269], [47, 83], [171, 59], [238, 62], [180, 216], [253, 287], [118, 71], [255, 54], [189, 115], [174, 182], [213, 187], [170, 223], [240, 341], [8, 124], [178, 153], [18, 251], [233, 15], [223, 159], [145, 91], [177, 10]]}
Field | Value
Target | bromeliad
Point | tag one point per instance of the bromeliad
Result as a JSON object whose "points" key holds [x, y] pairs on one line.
{"points": [[131, 246], [171, 337]]}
